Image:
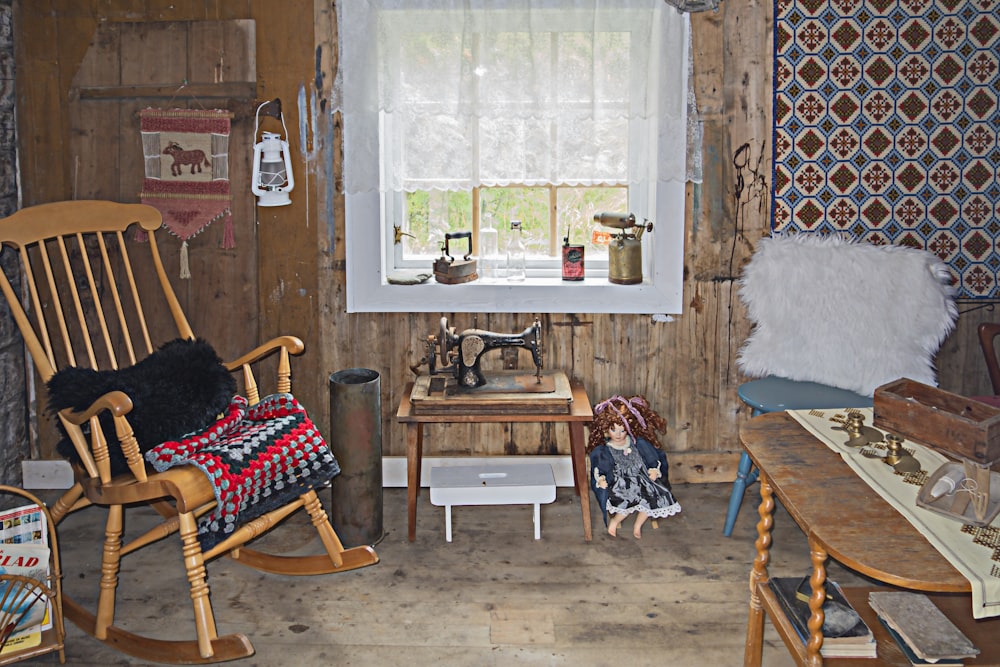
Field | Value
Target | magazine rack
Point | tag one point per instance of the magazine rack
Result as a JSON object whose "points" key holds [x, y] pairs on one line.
{"points": [[52, 639]]}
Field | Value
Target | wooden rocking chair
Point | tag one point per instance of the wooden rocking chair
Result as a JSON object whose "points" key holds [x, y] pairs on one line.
{"points": [[79, 304]]}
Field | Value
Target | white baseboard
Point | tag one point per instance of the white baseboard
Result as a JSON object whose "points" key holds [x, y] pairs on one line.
{"points": [[394, 467], [46, 475], [59, 474]]}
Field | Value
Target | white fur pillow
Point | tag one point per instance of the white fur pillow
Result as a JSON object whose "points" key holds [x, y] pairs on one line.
{"points": [[844, 313]]}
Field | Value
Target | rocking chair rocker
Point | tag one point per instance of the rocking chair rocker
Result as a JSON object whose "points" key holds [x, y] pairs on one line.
{"points": [[84, 309]]}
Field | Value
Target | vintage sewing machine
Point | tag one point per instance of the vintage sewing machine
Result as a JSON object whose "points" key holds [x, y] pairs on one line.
{"points": [[461, 354], [458, 384]]}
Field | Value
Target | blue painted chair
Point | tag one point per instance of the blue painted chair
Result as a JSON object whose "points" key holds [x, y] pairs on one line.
{"points": [[833, 319], [774, 394]]}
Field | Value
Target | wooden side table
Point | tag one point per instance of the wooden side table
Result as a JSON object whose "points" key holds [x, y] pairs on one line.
{"points": [[580, 413], [844, 519]]}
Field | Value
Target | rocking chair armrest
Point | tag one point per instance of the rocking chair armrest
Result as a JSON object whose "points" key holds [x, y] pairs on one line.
{"points": [[187, 485], [293, 344], [97, 464], [117, 402]]}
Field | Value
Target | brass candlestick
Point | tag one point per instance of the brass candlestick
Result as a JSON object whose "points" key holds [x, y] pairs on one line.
{"points": [[900, 458], [895, 445], [859, 435]]}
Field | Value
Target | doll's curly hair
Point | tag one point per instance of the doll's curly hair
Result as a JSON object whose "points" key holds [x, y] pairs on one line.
{"points": [[640, 420]]}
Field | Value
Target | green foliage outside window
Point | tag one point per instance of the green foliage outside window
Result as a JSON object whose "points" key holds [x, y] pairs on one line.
{"points": [[430, 214]]}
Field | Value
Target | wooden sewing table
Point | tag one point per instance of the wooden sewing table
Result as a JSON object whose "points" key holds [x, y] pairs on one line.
{"points": [[580, 413], [845, 519]]}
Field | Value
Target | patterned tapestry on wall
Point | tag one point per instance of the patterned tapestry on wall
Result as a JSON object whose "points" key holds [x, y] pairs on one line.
{"points": [[885, 127], [186, 153]]}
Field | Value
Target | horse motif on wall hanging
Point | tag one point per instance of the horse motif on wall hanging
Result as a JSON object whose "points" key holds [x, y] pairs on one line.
{"points": [[190, 199], [183, 158]]}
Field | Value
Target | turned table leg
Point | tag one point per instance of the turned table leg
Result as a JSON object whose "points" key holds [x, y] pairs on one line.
{"points": [[817, 580], [414, 454], [581, 477], [753, 652]]}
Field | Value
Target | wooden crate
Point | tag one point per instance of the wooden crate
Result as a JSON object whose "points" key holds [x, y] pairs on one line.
{"points": [[954, 424]]}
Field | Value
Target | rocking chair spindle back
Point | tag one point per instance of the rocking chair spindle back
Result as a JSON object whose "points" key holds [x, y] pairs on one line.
{"points": [[79, 301]]}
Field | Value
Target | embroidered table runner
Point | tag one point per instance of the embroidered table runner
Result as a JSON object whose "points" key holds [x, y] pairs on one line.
{"points": [[971, 550], [258, 458]]}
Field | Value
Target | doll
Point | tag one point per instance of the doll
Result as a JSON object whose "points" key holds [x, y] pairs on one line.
{"points": [[628, 468]]}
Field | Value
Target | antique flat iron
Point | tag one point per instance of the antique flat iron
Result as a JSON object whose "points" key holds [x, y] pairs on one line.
{"points": [[451, 271], [625, 251], [461, 354]]}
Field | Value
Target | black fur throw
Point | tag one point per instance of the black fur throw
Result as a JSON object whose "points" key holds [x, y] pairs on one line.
{"points": [[178, 389]]}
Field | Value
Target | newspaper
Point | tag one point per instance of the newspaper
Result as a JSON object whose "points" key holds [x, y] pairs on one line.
{"points": [[23, 525], [24, 551]]}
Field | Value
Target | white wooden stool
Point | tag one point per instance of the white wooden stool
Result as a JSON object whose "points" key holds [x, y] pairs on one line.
{"points": [[515, 484]]}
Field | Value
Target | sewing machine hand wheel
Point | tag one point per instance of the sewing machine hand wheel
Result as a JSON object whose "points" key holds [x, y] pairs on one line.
{"points": [[457, 235], [444, 342]]}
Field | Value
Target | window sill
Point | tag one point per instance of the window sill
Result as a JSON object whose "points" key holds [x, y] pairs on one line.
{"points": [[534, 295], [660, 293]]}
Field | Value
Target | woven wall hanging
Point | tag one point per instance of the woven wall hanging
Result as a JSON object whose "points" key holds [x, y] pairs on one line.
{"points": [[186, 154], [885, 127]]}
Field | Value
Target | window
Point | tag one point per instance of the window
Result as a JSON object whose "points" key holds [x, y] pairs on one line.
{"points": [[464, 115], [550, 215]]}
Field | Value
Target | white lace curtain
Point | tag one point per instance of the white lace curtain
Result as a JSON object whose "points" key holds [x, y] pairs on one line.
{"points": [[451, 94]]}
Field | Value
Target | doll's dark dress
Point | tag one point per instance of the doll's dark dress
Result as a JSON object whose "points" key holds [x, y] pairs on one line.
{"points": [[629, 487]]}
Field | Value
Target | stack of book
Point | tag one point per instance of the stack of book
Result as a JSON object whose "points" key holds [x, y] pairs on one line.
{"points": [[923, 632], [845, 634]]}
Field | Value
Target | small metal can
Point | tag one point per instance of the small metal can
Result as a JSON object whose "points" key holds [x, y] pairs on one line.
{"points": [[572, 262]]}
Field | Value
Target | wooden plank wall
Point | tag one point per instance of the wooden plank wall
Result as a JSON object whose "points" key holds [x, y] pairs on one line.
{"points": [[686, 367], [176, 64]]}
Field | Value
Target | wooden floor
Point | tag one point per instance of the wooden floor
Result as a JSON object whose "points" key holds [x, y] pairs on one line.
{"points": [[493, 596]]}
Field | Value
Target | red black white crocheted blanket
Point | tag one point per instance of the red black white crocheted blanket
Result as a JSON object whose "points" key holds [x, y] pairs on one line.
{"points": [[258, 458]]}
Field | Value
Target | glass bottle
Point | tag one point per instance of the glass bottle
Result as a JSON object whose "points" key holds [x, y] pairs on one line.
{"points": [[516, 254], [489, 250]]}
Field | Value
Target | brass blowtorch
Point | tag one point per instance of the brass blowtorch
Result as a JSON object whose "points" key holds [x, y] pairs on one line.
{"points": [[625, 251]]}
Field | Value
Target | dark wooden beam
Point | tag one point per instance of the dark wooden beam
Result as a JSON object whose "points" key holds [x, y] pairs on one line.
{"points": [[233, 90]]}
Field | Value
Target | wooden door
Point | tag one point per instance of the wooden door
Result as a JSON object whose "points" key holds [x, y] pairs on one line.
{"points": [[129, 67], [166, 65]]}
